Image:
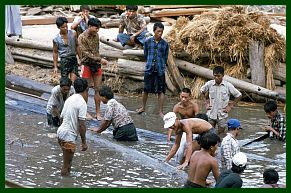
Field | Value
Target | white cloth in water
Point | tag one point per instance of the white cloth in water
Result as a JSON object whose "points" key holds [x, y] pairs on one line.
{"points": [[180, 153]]}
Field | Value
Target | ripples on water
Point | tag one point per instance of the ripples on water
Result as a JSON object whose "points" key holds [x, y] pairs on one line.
{"points": [[33, 157]]}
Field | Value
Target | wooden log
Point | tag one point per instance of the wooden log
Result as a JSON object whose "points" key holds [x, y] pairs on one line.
{"points": [[280, 72], [155, 7], [33, 61], [256, 61], [36, 57], [169, 83], [248, 87], [174, 72], [169, 20], [25, 43], [281, 90], [180, 12], [8, 56], [128, 52], [112, 43], [41, 20]]}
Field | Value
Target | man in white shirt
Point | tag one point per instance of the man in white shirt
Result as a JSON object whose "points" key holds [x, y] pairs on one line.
{"points": [[73, 124], [59, 95]]}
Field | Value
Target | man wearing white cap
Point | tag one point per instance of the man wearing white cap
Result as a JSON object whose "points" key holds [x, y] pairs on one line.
{"points": [[189, 126], [229, 144], [231, 178]]}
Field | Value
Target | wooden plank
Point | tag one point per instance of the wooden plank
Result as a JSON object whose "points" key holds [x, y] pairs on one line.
{"points": [[155, 7], [179, 12], [41, 20]]}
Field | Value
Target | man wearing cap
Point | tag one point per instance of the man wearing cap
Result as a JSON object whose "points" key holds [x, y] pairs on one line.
{"points": [[231, 178], [229, 144], [189, 126]]}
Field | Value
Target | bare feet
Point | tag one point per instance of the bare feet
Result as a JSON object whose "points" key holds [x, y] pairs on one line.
{"points": [[115, 40], [99, 117], [140, 110], [89, 117], [137, 47]]}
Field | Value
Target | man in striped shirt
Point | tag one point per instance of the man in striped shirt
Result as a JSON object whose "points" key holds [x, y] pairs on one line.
{"points": [[229, 144]]}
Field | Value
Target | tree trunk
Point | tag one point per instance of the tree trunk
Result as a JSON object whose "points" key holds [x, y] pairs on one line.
{"points": [[112, 43], [280, 72], [174, 72], [206, 73], [256, 61], [25, 43]]}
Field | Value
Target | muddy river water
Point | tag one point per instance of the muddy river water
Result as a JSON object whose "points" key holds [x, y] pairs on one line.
{"points": [[34, 158]]}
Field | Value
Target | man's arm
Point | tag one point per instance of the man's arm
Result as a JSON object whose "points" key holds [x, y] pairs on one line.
{"points": [[231, 105], [175, 147], [104, 125], [215, 169], [82, 131], [175, 110], [188, 149]]}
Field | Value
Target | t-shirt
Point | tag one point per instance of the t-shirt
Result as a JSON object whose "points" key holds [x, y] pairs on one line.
{"points": [[75, 109], [57, 99]]}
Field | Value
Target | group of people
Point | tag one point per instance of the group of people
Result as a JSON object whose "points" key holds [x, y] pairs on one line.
{"points": [[67, 106]]}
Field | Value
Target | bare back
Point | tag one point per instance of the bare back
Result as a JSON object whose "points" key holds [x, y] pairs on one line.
{"points": [[201, 164], [194, 125]]}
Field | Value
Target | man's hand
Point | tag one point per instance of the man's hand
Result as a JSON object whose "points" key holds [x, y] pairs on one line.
{"points": [[84, 147], [183, 166], [227, 109], [55, 71], [267, 128], [103, 61]]}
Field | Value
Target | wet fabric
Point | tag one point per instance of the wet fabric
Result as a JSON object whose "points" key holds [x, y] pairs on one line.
{"points": [[229, 179], [153, 83], [66, 49], [67, 146], [190, 184], [69, 65], [125, 133], [53, 121]]}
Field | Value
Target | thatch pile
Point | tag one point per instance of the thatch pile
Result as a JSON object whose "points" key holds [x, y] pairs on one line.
{"points": [[225, 36]]}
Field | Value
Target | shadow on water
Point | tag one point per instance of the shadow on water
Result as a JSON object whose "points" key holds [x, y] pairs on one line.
{"points": [[33, 157]]}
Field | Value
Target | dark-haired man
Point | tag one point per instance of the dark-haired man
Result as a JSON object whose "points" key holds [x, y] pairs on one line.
{"points": [[216, 94], [156, 51], [73, 119], [90, 58], [65, 47], [277, 128], [203, 162], [135, 26], [59, 95], [116, 113], [80, 23]]}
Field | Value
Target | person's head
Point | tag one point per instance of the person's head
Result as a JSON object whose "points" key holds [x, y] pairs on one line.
{"points": [[170, 120], [233, 126], [185, 95], [93, 25], [202, 116], [62, 24], [85, 9], [131, 11], [158, 30], [209, 141], [65, 84], [270, 108], [81, 85], [239, 162], [270, 176], [106, 94], [218, 73]]}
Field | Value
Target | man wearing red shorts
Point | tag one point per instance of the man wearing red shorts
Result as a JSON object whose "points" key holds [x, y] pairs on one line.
{"points": [[90, 58]]}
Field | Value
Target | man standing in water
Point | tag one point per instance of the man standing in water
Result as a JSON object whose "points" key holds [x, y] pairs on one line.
{"points": [[156, 52], [185, 108], [73, 124], [90, 58], [216, 98]]}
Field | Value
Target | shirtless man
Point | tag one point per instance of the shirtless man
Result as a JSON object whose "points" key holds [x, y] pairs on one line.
{"points": [[203, 161], [189, 126], [185, 108]]}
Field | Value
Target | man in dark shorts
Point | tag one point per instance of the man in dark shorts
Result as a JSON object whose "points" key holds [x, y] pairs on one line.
{"points": [[156, 52], [116, 113]]}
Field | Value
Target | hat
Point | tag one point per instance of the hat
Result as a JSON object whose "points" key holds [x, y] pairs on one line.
{"points": [[233, 124], [169, 119], [239, 159]]}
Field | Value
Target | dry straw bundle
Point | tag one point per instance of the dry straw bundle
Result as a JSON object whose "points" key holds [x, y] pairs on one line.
{"points": [[225, 37]]}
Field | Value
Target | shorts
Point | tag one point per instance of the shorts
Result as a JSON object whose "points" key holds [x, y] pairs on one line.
{"points": [[221, 123], [86, 72], [125, 133], [153, 83], [69, 65], [67, 146], [53, 121], [190, 184]]}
